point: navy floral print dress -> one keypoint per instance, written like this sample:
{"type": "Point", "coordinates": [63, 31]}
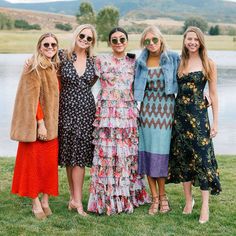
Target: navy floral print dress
{"type": "Point", "coordinates": [191, 153]}
{"type": "Point", "coordinates": [76, 113]}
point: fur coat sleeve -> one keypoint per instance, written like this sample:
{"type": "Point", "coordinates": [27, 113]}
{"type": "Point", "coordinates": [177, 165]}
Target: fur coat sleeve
{"type": "Point", "coordinates": [34, 87]}
{"type": "Point", "coordinates": [24, 123]}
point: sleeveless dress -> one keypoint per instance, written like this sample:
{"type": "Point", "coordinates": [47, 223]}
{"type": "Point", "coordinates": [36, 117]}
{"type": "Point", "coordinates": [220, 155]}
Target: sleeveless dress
{"type": "Point", "coordinates": [115, 185]}
{"type": "Point", "coordinates": [192, 155]}
{"type": "Point", "coordinates": [76, 113]}
{"type": "Point", "coordinates": [156, 117]}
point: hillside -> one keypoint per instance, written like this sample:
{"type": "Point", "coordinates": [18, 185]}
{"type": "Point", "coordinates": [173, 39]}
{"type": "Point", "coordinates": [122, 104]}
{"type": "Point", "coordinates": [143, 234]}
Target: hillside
{"type": "Point", "coordinates": [46, 20]}
{"type": "Point", "coordinates": [212, 10]}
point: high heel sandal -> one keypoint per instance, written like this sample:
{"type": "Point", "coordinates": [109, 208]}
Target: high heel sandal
{"type": "Point", "coordinates": [154, 207]}
{"type": "Point", "coordinates": [78, 207]}
{"type": "Point", "coordinates": [39, 215]}
{"type": "Point", "coordinates": [47, 211]}
{"type": "Point", "coordinates": [189, 212]}
{"type": "Point", "coordinates": [164, 204]}
{"type": "Point", "coordinates": [206, 220]}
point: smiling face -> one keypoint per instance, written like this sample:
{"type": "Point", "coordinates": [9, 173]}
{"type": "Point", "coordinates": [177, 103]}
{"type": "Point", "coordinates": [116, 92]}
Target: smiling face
{"type": "Point", "coordinates": [118, 42]}
{"type": "Point", "coordinates": [192, 42]}
{"type": "Point", "coordinates": [48, 47]}
{"type": "Point", "coordinates": [152, 42]}
{"type": "Point", "coordinates": [84, 39]}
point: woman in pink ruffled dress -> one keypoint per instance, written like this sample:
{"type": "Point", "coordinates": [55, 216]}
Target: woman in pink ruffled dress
{"type": "Point", "coordinates": [115, 185]}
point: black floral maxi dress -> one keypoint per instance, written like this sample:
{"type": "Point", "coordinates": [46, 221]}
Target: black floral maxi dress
{"type": "Point", "coordinates": [76, 113]}
{"type": "Point", "coordinates": [191, 153]}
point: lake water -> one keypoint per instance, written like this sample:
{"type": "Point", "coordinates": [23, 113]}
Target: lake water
{"type": "Point", "coordinates": [225, 142]}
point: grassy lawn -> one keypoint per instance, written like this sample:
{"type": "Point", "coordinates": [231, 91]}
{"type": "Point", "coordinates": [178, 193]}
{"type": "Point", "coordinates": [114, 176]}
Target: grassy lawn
{"type": "Point", "coordinates": [17, 219]}
{"type": "Point", "coordinates": [25, 41]}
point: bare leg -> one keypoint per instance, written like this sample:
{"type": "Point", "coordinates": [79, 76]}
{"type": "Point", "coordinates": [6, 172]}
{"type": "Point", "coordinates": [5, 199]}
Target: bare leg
{"type": "Point", "coordinates": [36, 205]}
{"type": "Point", "coordinates": [164, 203]}
{"type": "Point", "coordinates": [45, 205]}
{"type": "Point", "coordinates": [153, 186]}
{"type": "Point", "coordinates": [204, 216]}
{"type": "Point", "coordinates": [44, 201]}
{"type": "Point", "coordinates": [37, 209]}
{"type": "Point", "coordinates": [69, 178]}
{"type": "Point", "coordinates": [188, 197]}
{"type": "Point", "coordinates": [77, 181]}
{"type": "Point", "coordinates": [155, 200]}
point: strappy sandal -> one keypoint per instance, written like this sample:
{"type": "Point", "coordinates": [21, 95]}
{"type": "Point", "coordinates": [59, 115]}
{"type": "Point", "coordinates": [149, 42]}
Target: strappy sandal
{"type": "Point", "coordinates": [164, 204]}
{"type": "Point", "coordinates": [154, 207]}
{"type": "Point", "coordinates": [78, 207]}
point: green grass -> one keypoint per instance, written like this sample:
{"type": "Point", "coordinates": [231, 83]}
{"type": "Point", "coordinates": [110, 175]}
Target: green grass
{"type": "Point", "coordinates": [16, 217]}
{"type": "Point", "coordinates": [25, 41]}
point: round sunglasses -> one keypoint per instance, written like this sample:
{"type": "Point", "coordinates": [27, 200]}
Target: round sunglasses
{"type": "Point", "coordinates": [88, 38]}
{"type": "Point", "coordinates": [148, 41]}
{"type": "Point", "coordinates": [118, 40]}
{"type": "Point", "coordinates": [47, 45]}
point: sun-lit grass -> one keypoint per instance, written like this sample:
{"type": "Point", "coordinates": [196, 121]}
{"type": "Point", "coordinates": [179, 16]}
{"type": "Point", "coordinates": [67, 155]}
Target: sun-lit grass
{"type": "Point", "coordinates": [25, 41]}
{"type": "Point", "coordinates": [17, 219]}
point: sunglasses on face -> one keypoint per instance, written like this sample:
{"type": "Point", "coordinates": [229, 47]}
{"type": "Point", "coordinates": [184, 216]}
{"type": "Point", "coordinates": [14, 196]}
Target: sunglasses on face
{"type": "Point", "coordinates": [88, 38]}
{"type": "Point", "coordinates": [148, 41]}
{"type": "Point", "coordinates": [47, 45]}
{"type": "Point", "coordinates": [118, 40]}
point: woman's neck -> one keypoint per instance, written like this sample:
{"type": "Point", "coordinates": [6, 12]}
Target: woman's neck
{"type": "Point", "coordinates": [80, 52]}
{"type": "Point", "coordinates": [118, 54]}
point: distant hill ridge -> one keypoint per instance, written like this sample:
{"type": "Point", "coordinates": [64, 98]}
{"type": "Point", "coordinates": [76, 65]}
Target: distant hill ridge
{"type": "Point", "coordinates": [211, 10]}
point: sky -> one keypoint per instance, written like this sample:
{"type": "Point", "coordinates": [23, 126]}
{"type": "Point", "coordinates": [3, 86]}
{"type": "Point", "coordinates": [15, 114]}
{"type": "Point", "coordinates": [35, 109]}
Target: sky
{"type": "Point", "coordinates": [31, 1]}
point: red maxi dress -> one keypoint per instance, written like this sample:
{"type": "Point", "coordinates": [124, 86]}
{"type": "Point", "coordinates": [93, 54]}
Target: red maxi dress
{"type": "Point", "coordinates": [36, 167]}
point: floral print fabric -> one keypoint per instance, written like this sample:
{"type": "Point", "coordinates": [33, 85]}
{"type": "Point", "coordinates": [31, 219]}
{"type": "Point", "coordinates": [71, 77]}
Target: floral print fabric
{"type": "Point", "coordinates": [115, 185]}
{"type": "Point", "coordinates": [192, 156]}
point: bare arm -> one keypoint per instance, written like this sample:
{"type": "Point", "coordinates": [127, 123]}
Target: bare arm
{"type": "Point", "coordinates": [214, 99]}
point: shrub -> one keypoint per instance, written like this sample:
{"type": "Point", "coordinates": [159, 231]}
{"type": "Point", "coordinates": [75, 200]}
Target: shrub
{"type": "Point", "coordinates": [66, 27]}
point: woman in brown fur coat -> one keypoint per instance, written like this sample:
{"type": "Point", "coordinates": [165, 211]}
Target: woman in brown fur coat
{"type": "Point", "coordinates": [35, 126]}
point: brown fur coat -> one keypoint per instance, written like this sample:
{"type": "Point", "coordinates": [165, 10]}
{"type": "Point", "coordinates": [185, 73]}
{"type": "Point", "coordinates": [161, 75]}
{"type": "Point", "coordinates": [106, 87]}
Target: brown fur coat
{"type": "Point", "coordinates": [33, 88]}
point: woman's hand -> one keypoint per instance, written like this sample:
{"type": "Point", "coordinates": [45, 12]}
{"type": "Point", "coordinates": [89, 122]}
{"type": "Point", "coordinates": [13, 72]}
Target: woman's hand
{"type": "Point", "coordinates": [213, 131]}
{"type": "Point", "coordinates": [42, 131]}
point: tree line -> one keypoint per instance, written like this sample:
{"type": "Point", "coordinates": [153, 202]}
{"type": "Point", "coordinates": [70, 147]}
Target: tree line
{"type": "Point", "coordinates": [104, 20]}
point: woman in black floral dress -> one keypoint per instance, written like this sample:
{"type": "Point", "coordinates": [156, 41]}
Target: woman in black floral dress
{"type": "Point", "coordinates": [192, 160]}
{"type": "Point", "coordinates": [77, 111]}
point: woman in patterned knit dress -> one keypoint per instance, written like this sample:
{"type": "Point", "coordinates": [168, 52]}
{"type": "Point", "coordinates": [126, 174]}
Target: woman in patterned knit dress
{"type": "Point", "coordinates": [77, 110]}
{"type": "Point", "coordinates": [154, 86]}
{"type": "Point", "coordinates": [192, 159]}
{"type": "Point", "coordinates": [115, 185]}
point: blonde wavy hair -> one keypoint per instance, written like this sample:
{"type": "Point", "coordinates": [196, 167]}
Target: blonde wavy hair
{"type": "Point", "coordinates": [38, 58]}
{"type": "Point", "coordinates": [76, 34]}
{"type": "Point", "coordinates": [207, 69]}
{"type": "Point", "coordinates": [154, 30]}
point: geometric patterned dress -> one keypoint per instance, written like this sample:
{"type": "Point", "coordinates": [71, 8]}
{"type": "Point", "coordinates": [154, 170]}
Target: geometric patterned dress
{"type": "Point", "coordinates": [115, 184]}
{"type": "Point", "coordinates": [192, 155]}
{"type": "Point", "coordinates": [156, 118]}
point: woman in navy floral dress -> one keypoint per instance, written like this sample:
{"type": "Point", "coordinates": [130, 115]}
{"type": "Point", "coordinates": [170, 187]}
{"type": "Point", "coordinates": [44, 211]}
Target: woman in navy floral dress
{"type": "Point", "coordinates": [192, 160]}
{"type": "Point", "coordinates": [77, 111]}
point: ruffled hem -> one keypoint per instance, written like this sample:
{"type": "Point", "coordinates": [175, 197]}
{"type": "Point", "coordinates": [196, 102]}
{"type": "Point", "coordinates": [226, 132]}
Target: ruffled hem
{"type": "Point", "coordinates": [105, 198]}
{"type": "Point", "coordinates": [113, 151]}
{"type": "Point", "coordinates": [115, 95]}
{"type": "Point", "coordinates": [112, 103]}
{"type": "Point", "coordinates": [115, 133]}
{"type": "Point", "coordinates": [117, 112]}
{"type": "Point", "coordinates": [115, 123]}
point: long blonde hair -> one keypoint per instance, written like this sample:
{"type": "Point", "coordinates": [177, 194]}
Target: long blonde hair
{"type": "Point", "coordinates": [75, 35]}
{"type": "Point", "coordinates": [154, 30]}
{"type": "Point", "coordinates": [202, 53]}
{"type": "Point", "coordinates": [38, 58]}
